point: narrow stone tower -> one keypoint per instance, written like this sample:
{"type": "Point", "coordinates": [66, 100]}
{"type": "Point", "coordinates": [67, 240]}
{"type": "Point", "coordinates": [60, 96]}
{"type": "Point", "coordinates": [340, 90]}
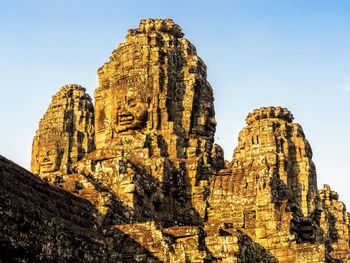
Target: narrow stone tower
{"type": "Point", "coordinates": [66, 131]}
{"type": "Point", "coordinates": [273, 152]}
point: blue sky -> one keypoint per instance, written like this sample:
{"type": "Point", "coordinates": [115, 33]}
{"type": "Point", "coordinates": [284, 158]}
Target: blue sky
{"type": "Point", "coordinates": [294, 54]}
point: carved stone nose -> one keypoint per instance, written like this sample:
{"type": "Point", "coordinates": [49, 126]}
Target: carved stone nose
{"type": "Point", "coordinates": [46, 157]}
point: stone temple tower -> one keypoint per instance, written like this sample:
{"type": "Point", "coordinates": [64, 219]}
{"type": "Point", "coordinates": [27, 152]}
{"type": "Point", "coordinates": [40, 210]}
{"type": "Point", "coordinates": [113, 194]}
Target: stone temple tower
{"type": "Point", "coordinates": [66, 131]}
{"type": "Point", "coordinates": [156, 186]}
{"type": "Point", "coordinates": [154, 85]}
{"type": "Point", "coordinates": [273, 148]}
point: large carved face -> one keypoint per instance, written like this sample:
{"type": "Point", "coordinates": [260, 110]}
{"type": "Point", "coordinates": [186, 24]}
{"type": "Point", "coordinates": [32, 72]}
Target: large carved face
{"type": "Point", "coordinates": [50, 160]}
{"type": "Point", "coordinates": [131, 110]}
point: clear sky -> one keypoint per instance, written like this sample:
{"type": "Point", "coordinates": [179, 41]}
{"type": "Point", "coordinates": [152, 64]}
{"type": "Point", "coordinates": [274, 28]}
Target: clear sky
{"type": "Point", "coordinates": [294, 54]}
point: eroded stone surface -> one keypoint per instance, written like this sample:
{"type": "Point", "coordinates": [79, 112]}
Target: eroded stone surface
{"type": "Point", "coordinates": [270, 190]}
{"type": "Point", "coordinates": [335, 224]}
{"type": "Point", "coordinates": [154, 128]}
{"type": "Point", "coordinates": [154, 87]}
{"type": "Point", "coordinates": [160, 187]}
{"type": "Point", "coordinates": [66, 131]}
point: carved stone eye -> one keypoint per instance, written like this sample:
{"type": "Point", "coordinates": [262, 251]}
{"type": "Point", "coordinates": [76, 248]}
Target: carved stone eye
{"type": "Point", "coordinates": [119, 105]}
{"type": "Point", "coordinates": [132, 102]}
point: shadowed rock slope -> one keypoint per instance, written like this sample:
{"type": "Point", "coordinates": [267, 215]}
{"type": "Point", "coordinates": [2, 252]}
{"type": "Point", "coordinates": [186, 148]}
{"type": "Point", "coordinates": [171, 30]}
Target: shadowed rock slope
{"type": "Point", "coordinates": [44, 223]}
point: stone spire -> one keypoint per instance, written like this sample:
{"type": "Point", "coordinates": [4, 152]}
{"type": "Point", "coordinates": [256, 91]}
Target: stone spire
{"type": "Point", "coordinates": [335, 224]}
{"type": "Point", "coordinates": [66, 131]}
{"type": "Point", "coordinates": [155, 84]}
{"type": "Point", "coordinates": [272, 148]}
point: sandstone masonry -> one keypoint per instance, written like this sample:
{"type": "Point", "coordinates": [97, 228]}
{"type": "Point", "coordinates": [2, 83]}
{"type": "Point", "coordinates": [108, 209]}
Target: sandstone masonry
{"type": "Point", "coordinates": [138, 177]}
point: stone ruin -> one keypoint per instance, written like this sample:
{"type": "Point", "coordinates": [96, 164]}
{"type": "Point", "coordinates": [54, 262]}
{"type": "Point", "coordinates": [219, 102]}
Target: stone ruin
{"type": "Point", "coordinates": [138, 177]}
{"type": "Point", "coordinates": [66, 131]}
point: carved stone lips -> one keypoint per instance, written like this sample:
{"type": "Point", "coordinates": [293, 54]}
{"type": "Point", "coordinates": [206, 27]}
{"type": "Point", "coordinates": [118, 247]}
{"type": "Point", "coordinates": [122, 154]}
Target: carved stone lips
{"type": "Point", "coordinates": [46, 161]}
{"type": "Point", "coordinates": [125, 118]}
{"type": "Point", "coordinates": [46, 164]}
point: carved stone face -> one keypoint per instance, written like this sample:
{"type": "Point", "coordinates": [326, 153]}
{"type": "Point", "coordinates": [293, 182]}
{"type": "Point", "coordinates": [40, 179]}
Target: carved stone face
{"type": "Point", "coordinates": [131, 111]}
{"type": "Point", "coordinates": [50, 160]}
